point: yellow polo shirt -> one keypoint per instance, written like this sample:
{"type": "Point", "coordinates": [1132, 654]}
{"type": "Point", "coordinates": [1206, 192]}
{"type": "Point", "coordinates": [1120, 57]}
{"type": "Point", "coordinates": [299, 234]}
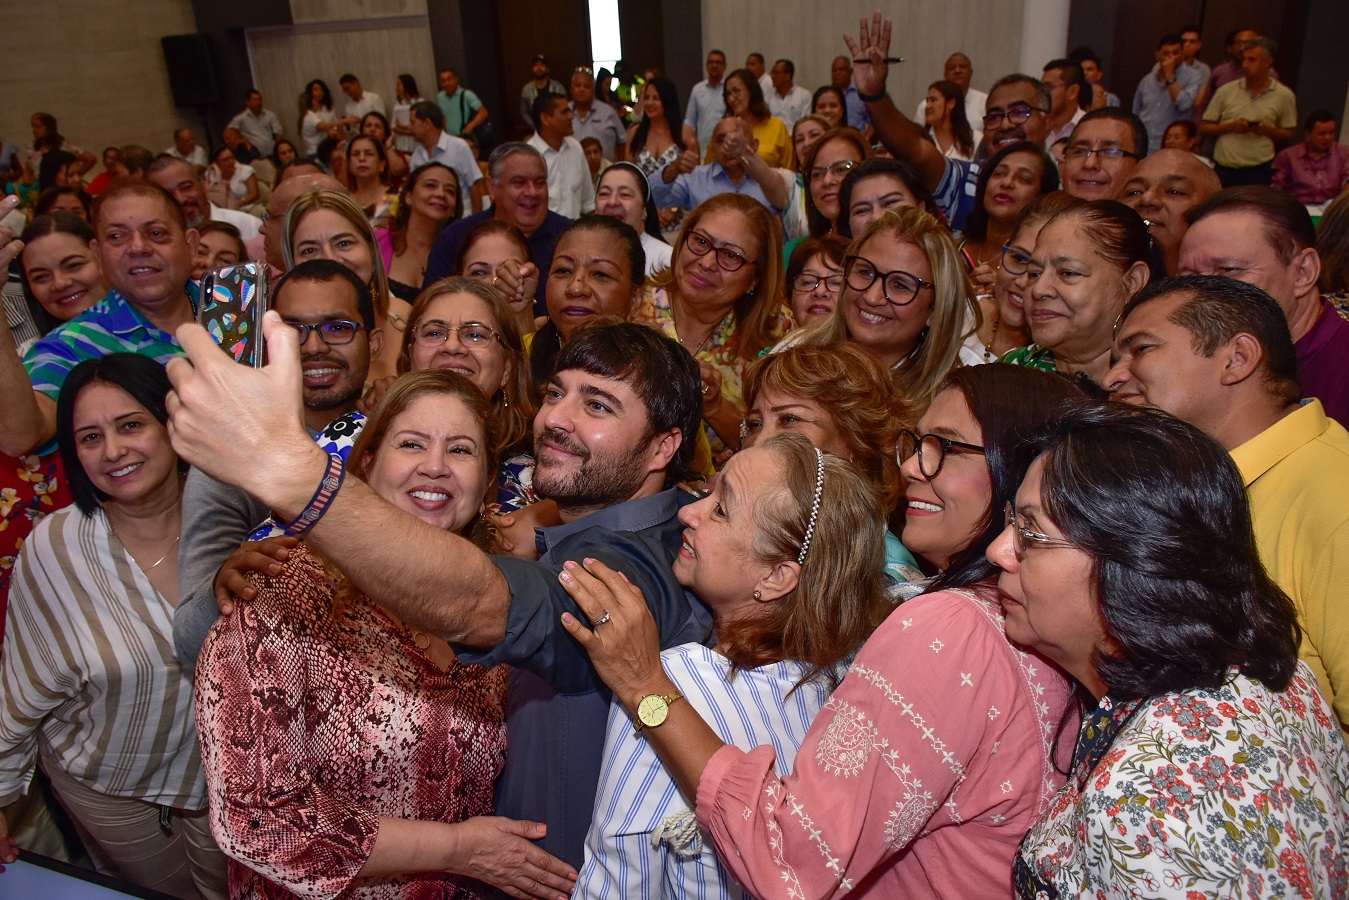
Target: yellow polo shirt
{"type": "Point", "coordinates": [1275, 105]}
{"type": "Point", "coordinates": [1297, 475]}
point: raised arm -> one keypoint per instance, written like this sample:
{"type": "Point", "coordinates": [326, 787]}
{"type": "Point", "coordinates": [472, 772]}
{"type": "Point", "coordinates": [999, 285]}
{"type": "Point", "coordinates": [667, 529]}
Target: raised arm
{"type": "Point", "coordinates": [27, 418]}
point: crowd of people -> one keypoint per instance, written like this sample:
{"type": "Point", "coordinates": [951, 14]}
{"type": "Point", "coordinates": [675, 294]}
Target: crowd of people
{"type": "Point", "coordinates": [765, 495]}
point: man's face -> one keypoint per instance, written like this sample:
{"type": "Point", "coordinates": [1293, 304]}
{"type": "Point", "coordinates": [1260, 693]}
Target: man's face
{"type": "Point", "coordinates": [840, 72]}
{"type": "Point", "coordinates": [254, 103]}
{"type": "Point", "coordinates": [1096, 177]}
{"type": "Point", "coordinates": [334, 376]}
{"type": "Point", "coordinates": [716, 67]}
{"type": "Point", "coordinates": [183, 183]}
{"type": "Point", "coordinates": [1157, 365]}
{"type": "Point", "coordinates": [1168, 53]}
{"type": "Point", "coordinates": [582, 88]}
{"type": "Point", "coordinates": [592, 440]}
{"type": "Point", "coordinates": [146, 255]}
{"type": "Point", "coordinates": [1236, 243]}
{"type": "Point", "coordinates": [422, 129]}
{"type": "Point", "coordinates": [724, 145]}
{"type": "Point", "coordinates": [958, 70]}
{"type": "Point", "coordinates": [1190, 45]}
{"type": "Point", "coordinates": [1321, 136]}
{"type": "Point", "coordinates": [1061, 100]}
{"type": "Point", "coordinates": [449, 82]}
{"type": "Point", "coordinates": [1238, 45]}
{"type": "Point", "coordinates": [1091, 71]}
{"type": "Point", "coordinates": [280, 200]}
{"type": "Point", "coordinates": [1163, 186]}
{"type": "Point", "coordinates": [1018, 99]}
{"type": "Point", "coordinates": [782, 79]}
{"type": "Point", "coordinates": [521, 196]}
{"type": "Point", "coordinates": [539, 70]}
{"type": "Point", "coordinates": [559, 121]}
{"type": "Point", "coordinates": [185, 141]}
{"type": "Point", "coordinates": [755, 64]}
{"type": "Point", "coordinates": [352, 89]}
{"type": "Point", "coordinates": [1256, 63]}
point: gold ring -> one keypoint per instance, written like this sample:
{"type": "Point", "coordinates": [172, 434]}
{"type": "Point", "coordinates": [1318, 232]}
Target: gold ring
{"type": "Point", "coordinates": [494, 281]}
{"type": "Point", "coordinates": [704, 390]}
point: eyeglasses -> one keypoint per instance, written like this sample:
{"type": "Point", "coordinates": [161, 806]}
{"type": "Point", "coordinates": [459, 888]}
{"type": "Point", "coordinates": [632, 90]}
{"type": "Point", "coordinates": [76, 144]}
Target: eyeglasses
{"type": "Point", "coordinates": [1014, 261]}
{"type": "Point", "coordinates": [1015, 115]}
{"type": "Point", "coordinates": [840, 168]}
{"type": "Point", "coordinates": [333, 332]}
{"type": "Point", "coordinates": [899, 287]}
{"type": "Point", "coordinates": [1023, 537]}
{"type": "Point", "coordinates": [807, 283]}
{"type": "Point", "coordinates": [700, 244]}
{"type": "Point", "coordinates": [931, 450]}
{"type": "Point", "coordinates": [1077, 151]}
{"type": "Point", "coordinates": [471, 334]}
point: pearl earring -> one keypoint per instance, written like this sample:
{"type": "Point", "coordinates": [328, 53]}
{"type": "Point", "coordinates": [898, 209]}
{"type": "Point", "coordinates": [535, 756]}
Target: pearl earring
{"type": "Point", "coordinates": [758, 595]}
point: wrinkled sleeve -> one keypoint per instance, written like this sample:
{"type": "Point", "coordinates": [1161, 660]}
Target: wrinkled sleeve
{"type": "Point", "coordinates": [667, 196]}
{"type": "Point", "coordinates": [879, 761]}
{"type": "Point", "coordinates": [1325, 619]}
{"type": "Point", "coordinates": [266, 810]}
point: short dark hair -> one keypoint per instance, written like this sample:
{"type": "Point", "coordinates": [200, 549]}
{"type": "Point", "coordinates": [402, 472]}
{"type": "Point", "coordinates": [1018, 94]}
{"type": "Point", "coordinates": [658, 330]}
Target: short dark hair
{"type": "Point", "coordinates": [47, 199]}
{"type": "Point", "coordinates": [717, 52]}
{"type": "Point", "coordinates": [1041, 92]}
{"type": "Point", "coordinates": [1186, 29]}
{"type": "Point", "coordinates": [168, 161]}
{"type": "Point", "coordinates": [255, 91]}
{"type": "Point", "coordinates": [429, 111]}
{"type": "Point", "coordinates": [788, 65]}
{"type": "Point", "coordinates": [322, 271]}
{"type": "Point", "coordinates": [1318, 116]}
{"type": "Point", "coordinates": [1072, 75]}
{"type": "Point", "coordinates": [1137, 130]}
{"type": "Point", "coordinates": [1085, 54]}
{"type": "Point", "coordinates": [230, 231]}
{"type": "Point", "coordinates": [658, 370]}
{"type": "Point", "coordinates": [621, 233]}
{"type": "Point", "coordinates": [141, 377]}
{"type": "Point", "coordinates": [1171, 37]}
{"type": "Point", "coordinates": [137, 158]}
{"type": "Point", "coordinates": [1119, 234]}
{"type": "Point", "coordinates": [347, 79]}
{"type": "Point", "coordinates": [1217, 309]}
{"type": "Point", "coordinates": [134, 186]}
{"type": "Point", "coordinates": [755, 55]}
{"type": "Point", "coordinates": [1288, 225]}
{"type": "Point", "coordinates": [1162, 510]}
{"type": "Point", "coordinates": [544, 104]}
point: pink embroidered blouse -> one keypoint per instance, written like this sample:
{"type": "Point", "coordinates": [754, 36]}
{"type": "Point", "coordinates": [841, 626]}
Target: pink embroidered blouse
{"type": "Point", "coordinates": [918, 779]}
{"type": "Point", "coordinates": [315, 723]}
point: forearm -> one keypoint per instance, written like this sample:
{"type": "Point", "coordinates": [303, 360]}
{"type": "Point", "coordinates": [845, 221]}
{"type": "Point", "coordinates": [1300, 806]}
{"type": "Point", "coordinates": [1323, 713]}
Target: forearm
{"type": "Point", "coordinates": [27, 418]}
{"type": "Point", "coordinates": [685, 742]}
{"type": "Point", "coordinates": [405, 846]}
{"type": "Point", "coordinates": [1215, 129]}
{"type": "Point", "coordinates": [478, 118]}
{"type": "Point", "coordinates": [767, 178]}
{"type": "Point", "coordinates": [906, 140]}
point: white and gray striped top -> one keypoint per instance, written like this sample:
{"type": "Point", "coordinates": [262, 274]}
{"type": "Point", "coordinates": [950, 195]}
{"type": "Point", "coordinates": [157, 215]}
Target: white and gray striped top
{"type": "Point", "coordinates": [88, 676]}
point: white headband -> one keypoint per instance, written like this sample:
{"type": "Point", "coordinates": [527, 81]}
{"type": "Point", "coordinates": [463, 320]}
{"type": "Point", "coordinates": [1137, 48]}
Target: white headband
{"type": "Point", "coordinates": [814, 508]}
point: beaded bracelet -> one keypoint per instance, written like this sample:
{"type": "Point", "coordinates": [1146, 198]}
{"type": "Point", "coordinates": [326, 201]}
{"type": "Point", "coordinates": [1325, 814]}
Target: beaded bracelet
{"type": "Point", "coordinates": [318, 504]}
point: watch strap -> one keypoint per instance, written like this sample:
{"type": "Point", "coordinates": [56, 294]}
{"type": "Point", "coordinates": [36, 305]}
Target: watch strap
{"type": "Point", "coordinates": [668, 698]}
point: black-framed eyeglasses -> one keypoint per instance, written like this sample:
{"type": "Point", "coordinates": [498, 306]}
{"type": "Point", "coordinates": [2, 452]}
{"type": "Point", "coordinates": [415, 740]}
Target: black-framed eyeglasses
{"type": "Point", "coordinates": [807, 283]}
{"type": "Point", "coordinates": [840, 168]}
{"type": "Point", "coordinates": [1015, 114]}
{"type": "Point", "coordinates": [700, 244]}
{"type": "Point", "coordinates": [931, 450]}
{"type": "Point", "coordinates": [1111, 153]}
{"type": "Point", "coordinates": [334, 332]}
{"type": "Point", "coordinates": [900, 287]}
{"type": "Point", "coordinates": [471, 334]}
{"type": "Point", "coordinates": [1014, 261]}
{"type": "Point", "coordinates": [1023, 537]}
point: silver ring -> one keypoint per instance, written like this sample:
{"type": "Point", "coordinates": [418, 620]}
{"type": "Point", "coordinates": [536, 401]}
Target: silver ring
{"type": "Point", "coordinates": [602, 619]}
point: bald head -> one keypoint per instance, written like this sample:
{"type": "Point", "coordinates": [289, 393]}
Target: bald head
{"type": "Point", "coordinates": [958, 70]}
{"type": "Point", "coordinates": [280, 201]}
{"type": "Point", "coordinates": [1162, 188]}
{"type": "Point", "coordinates": [729, 150]}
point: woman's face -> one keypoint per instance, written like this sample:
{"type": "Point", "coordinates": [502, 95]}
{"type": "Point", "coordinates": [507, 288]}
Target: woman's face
{"type": "Point", "coordinates": [486, 366]}
{"type": "Point", "coordinates": [889, 331]}
{"type": "Point", "coordinates": [1175, 138]}
{"type": "Point", "coordinates": [804, 137]}
{"type": "Point", "coordinates": [70, 176]}
{"type": "Point", "coordinates": [651, 102]}
{"type": "Point", "coordinates": [285, 153]}
{"type": "Point", "coordinates": [432, 462]}
{"type": "Point", "coordinates": [372, 127]}
{"type": "Point", "coordinates": [619, 195]}
{"type": "Point", "coordinates": [435, 196]}
{"type": "Point", "coordinates": [63, 274]}
{"type": "Point", "coordinates": [1013, 185]}
{"type": "Point", "coordinates": [701, 279]}
{"type": "Point", "coordinates": [717, 560]}
{"type": "Point", "coordinates": [737, 97]}
{"type": "Point", "coordinates": [39, 129]}
{"type": "Point", "coordinates": [1008, 288]}
{"type": "Point", "coordinates": [813, 304]}
{"type": "Point", "coordinates": [71, 204]}
{"type": "Point", "coordinates": [489, 251]}
{"type": "Point", "coordinates": [829, 107]}
{"type": "Point", "coordinates": [943, 514]}
{"type": "Point", "coordinates": [773, 412]}
{"type": "Point", "coordinates": [1048, 593]}
{"type": "Point", "coordinates": [123, 449]}
{"type": "Point", "coordinates": [872, 196]}
{"type": "Point", "coordinates": [225, 162]}
{"type": "Point", "coordinates": [590, 276]}
{"type": "Point", "coordinates": [316, 94]}
{"type": "Point", "coordinates": [936, 107]}
{"type": "Point", "coordinates": [327, 234]}
{"type": "Point", "coordinates": [1076, 294]}
{"type": "Point", "coordinates": [363, 160]}
{"type": "Point", "coordinates": [824, 183]}
{"type": "Point", "coordinates": [214, 251]}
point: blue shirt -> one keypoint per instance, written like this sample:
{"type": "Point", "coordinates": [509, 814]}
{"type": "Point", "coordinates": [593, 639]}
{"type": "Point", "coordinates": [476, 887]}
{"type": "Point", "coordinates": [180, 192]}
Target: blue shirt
{"type": "Point", "coordinates": [1153, 103]}
{"type": "Point", "coordinates": [704, 182]}
{"type": "Point", "coordinates": [857, 109]}
{"type": "Point", "coordinates": [706, 108]}
{"type": "Point", "coordinates": [440, 262]}
{"type": "Point", "coordinates": [955, 191]}
{"type": "Point", "coordinates": [557, 706]}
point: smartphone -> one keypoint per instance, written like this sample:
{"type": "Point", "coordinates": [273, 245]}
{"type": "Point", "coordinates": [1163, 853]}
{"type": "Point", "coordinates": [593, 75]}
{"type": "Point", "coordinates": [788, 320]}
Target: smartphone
{"type": "Point", "coordinates": [233, 300]}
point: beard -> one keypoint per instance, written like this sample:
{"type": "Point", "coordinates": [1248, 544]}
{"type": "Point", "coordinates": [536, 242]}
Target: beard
{"type": "Point", "coordinates": [591, 481]}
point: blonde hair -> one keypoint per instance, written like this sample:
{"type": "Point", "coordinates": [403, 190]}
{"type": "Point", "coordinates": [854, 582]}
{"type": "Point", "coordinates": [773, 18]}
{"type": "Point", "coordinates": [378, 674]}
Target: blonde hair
{"type": "Point", "coordinates": [754, 312]}
{"type": "Point", "coordinates": [920, 376]}
{"type": "Point", "coordinates": [513, 405]}
{"type": "Point", "coordinates": [345, 206]}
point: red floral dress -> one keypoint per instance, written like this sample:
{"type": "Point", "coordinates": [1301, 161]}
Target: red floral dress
{"type": "Point", "coordinates": [31, 487]}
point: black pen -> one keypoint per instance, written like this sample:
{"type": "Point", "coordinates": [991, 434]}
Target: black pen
{"type": "Point", "coordinates": [888, 59]}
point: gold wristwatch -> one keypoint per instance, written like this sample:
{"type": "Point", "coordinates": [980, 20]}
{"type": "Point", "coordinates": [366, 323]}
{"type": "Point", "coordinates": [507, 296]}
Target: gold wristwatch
{"type": "Point", "coordinates": [654, 709]}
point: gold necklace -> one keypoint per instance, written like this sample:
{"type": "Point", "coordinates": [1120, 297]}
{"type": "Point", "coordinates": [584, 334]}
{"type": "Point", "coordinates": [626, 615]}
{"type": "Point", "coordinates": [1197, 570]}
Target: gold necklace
{"type": "Point", "coordinates": [701, 344]}
{"type": "Point", "coordinates": [988, 348]}
{"type": "Point", "coordinates": [145, 569]}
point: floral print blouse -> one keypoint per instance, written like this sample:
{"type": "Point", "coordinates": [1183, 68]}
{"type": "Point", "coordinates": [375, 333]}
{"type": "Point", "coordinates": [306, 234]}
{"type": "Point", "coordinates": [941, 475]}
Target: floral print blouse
{"type": "Point", "coordinates": [1238, 792]}
{"type": "Point", "coordinates": [31, 487]}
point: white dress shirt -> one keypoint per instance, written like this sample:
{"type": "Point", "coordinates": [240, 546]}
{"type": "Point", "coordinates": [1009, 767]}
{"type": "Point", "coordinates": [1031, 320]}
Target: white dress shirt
{"type": "Point", "coordinates": [791, 107]}
{"type": "Point", "coordinates": [570, 190]}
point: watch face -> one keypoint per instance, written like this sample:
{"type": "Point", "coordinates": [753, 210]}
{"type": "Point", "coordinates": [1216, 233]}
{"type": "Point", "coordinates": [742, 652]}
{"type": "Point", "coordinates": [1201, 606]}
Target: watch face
{"type": "Point", "coordinates": [652, 710]}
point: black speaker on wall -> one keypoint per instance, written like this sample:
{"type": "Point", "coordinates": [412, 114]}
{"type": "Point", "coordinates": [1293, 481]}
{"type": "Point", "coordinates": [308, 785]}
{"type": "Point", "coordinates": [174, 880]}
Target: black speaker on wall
{"type": "Point", "coordinates": [192, 75]}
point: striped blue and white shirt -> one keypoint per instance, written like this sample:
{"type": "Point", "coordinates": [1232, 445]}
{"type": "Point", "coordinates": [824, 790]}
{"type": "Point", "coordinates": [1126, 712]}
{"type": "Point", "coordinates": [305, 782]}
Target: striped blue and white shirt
{"type": "Point", "coordinates": [644, 840]}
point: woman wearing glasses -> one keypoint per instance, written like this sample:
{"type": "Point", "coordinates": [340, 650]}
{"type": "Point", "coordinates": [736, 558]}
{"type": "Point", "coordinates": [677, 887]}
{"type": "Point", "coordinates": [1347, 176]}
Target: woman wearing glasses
{"type": "Point", "coordinates": [745, 100]}
{"type": "Point", "coordinates": [815, 278]}
{"type": "Point", "coordinates": [721, 298]}
{"type": "Point", "coordinates": [936, 752]}
{"type": "Point", "coordinates": [1208, 763]}
{"type": "Point", "coordinates": [834, 154]}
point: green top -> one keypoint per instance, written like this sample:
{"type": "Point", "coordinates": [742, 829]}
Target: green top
{"type": "Point", "coordinates": [1032, 356]}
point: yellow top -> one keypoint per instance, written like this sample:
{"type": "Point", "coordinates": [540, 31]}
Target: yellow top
{"type": "Point", "coordinates": [775, 144]}
{"type": "Point", "coordinates": [1297, 475]}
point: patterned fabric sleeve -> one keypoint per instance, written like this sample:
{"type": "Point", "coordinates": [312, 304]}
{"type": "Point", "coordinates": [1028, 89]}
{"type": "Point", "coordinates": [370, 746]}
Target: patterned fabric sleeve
{"type": "Point", "coordinates": [266, 809]}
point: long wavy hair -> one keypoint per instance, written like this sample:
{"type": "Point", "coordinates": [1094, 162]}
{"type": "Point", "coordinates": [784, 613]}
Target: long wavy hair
{"type": "Point", "coordinates": [960, 123]}
{"type": "Point", "coordinates": [669, 101]}
{"type": "Point", "coordinates": [819, 225]}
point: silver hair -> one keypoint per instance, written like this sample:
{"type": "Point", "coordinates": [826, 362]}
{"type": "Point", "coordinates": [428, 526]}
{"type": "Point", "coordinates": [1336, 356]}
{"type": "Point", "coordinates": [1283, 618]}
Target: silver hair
{"type": "Point", "coordinates": [497, 161]}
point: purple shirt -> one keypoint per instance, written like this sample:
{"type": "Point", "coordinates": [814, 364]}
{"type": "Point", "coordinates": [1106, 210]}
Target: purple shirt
{"type": "Point", "coordinates": [1310, 180]}
{"type": "Point", "coordinates": [1322, 356]}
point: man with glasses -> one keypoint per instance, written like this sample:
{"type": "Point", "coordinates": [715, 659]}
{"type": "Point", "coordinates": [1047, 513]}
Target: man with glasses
{"type": "Point", "coordinates": [1017, 111]}
{"type": "Point", "coordinates": [1168, 92]}
{"type": "Point", "coordinates": [334, 313]}
{"type": "Point", "coordinates": [737, 169]}
{"type": "Point", "coordinates": [595, 120]}
{"type": "Point", "coordinates": [1104, 148]}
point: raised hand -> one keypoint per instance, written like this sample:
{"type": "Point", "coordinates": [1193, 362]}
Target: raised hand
{"type": "Point", "coordinates": [873, 45]}
{"type": "Point", "coordinates": [517, 282]}
{"type": "Point", "coordinates": [10, 246]}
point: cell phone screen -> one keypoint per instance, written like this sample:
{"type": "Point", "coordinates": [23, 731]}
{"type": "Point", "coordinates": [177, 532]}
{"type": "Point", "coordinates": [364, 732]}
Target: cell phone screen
{"type": "Point", "coordinates": [233, 301]}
